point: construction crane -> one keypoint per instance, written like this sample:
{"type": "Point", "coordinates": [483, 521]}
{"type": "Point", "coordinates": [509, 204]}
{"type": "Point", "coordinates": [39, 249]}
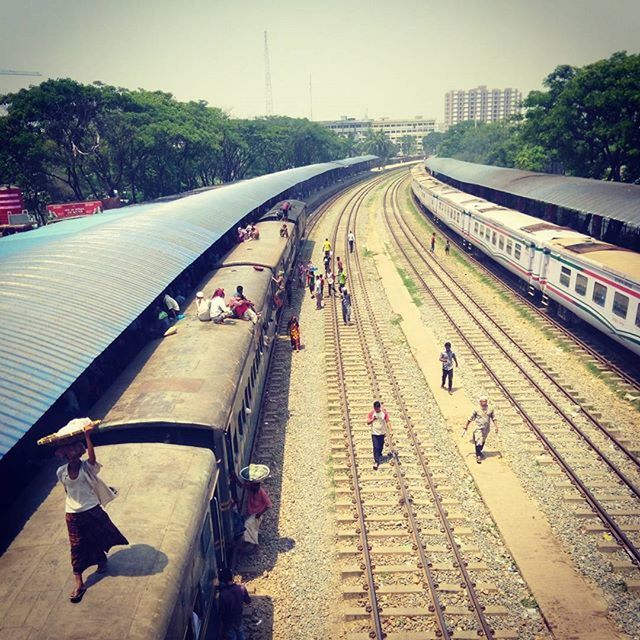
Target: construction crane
{"type": "Point", "coordinates": [11, 72]}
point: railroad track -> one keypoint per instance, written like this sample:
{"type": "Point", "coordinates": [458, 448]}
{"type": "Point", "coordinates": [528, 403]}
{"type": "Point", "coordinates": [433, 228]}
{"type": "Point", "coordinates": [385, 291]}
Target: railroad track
{"type": "Point", "coordinates": [601, 354]}
{"type": "Point", "coordinates": [600, 465]}
{"type": "Point", "coordinates": [407, 560]}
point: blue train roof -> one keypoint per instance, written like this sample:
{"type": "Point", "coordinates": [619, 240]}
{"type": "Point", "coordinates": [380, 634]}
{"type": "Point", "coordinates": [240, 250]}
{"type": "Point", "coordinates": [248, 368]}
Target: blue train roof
{"type": "Point", "coordinates": [70, 289]}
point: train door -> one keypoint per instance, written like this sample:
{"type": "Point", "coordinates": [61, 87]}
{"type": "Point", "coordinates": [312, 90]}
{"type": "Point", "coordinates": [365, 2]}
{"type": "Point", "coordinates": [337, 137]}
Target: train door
{"type": "Point", "coordinates": [530, 267]}
{"type": "Point", "coordinates": [544, 270]}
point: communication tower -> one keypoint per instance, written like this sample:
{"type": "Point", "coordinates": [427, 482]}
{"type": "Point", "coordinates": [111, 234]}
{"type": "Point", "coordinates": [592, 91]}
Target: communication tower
{"type": "Point", "coordinates": [267, 78]}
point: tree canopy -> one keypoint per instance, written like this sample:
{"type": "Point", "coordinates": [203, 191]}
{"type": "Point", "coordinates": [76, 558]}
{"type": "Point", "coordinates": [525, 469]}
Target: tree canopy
{"type": "Point", "coordinates": [63, 140]}
{"type": "Point", "coordinates": [586, 120]}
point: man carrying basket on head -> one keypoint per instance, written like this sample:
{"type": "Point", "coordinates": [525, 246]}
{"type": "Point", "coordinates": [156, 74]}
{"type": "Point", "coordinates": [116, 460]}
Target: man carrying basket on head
{"type": "Point", "coordinates": [91, 532]}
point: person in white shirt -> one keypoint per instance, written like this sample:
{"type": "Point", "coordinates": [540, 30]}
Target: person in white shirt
{"type": "Point", "coordinates": [378, 420]}
{"type": "Point", "coordinates": [173, 308]}
{"type": "Point", "coordinates": [203, 307]}
{"type": "Point", "coordinates": [91, 532]}
{"type": "Point", "coordinates": [352, 240]}
{"type": "Point", "coordinates": [218, 309]}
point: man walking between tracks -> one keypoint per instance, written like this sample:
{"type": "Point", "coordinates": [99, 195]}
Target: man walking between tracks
{"type": "Point", "coordinates": [447, 358]}
{"type": "Point", "coordinates": [482, 418]}
{"type": "Point", "coordinates": [378, 420]}
{"type": "Point", "coordinates": [352, 240]}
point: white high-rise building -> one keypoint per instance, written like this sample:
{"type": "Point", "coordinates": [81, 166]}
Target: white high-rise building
{"type": "Point", "coordinates": [480, 104]}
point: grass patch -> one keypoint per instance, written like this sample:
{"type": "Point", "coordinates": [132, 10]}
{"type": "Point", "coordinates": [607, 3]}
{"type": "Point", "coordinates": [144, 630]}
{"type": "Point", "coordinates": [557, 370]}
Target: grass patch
{"type": "Point", "coordinates": [396, 319]}
{"type": "Point", "coordinates": [529, 603]}
{"type": "Point", "coordinates": [331, 473]}
{"type": "Point", "coordinates": [410, 285]}
{"type": "Point", "coordinates": [367, 253]}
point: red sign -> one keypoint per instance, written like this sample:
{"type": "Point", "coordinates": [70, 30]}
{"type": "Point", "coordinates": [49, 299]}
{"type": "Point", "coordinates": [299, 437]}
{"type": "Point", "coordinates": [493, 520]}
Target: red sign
{"type": "Point", "coordinates": [74, 209]}
{"type": "Point", "coordinates": [10, 203]}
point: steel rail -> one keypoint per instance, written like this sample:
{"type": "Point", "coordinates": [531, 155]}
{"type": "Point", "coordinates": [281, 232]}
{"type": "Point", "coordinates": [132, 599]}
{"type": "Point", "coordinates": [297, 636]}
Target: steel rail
{"type": "Point", "coordinates": [543, 316]}
{"type": "Point", "coordinates": [430, 581]}
{"type": "Point", "coordinates": [622, 539]}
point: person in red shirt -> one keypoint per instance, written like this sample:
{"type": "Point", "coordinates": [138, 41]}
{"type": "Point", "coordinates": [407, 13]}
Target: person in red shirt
{"type": "Point", "coordinates": [256, 505]}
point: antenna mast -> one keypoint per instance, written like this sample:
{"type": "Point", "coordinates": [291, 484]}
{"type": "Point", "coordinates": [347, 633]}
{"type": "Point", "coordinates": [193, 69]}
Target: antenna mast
{"type": "Point", "coordinates": [310, 99]}
{"type": "Point", "coordinates": [267, 79]}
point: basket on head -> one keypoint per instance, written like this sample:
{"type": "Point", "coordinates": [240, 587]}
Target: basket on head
{"type": "Point", "coordinates": [255, 473]}
{"type": "Point", "coordinates": [73, 430]}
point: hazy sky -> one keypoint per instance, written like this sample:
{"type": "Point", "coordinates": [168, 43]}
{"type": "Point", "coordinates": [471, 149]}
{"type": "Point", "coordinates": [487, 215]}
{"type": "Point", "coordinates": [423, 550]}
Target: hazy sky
{"type": "Point", "coordinates": [395, 59]}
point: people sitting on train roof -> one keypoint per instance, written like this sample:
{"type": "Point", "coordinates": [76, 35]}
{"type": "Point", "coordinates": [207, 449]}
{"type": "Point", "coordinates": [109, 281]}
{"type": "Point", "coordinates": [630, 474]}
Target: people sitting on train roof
{"type": "Point", "coordinates": [219, 311]}
{"type": "Point", "coordinates": [242, 307]}
{"type": "Point", "coordinates": [172, 306]}
{"type": "Point", "coordinates": [255, 233]}
{"type": "Point", "coordinates": [203, 307]}
{"type": "Point", "coordinates": [242, 234]}
{"type": "Point", "coordinates": [284, 231]}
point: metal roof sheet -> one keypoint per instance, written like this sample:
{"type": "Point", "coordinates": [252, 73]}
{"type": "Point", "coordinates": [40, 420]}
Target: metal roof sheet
{"type": "Point", "coordinates": [615, 200]}
{"type": "Point", "coordinates": [70, 289]}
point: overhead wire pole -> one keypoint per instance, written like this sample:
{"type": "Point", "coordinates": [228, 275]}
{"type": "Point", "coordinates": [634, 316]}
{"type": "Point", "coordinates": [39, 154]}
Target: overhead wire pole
{"type": "Point", "coordinates": [267, 78]}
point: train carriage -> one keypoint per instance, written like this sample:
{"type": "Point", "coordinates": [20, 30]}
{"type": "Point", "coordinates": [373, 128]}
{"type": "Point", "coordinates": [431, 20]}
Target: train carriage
{"type": "Point", "coordinates": [202, 386]}
{"type": "Point", "coordinates": [158, 587]}
{"type": "Point", "coordinates": [605, 289]}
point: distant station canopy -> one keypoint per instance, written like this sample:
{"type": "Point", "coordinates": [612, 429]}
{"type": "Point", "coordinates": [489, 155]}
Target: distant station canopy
{"type": "Point", "coordinates": [609, 211]}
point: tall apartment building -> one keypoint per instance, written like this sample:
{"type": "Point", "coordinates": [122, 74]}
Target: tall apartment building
{"type": "Point", "coordinates": [480, 104]}
{"type": "Point", "coordinates": [394, 129]}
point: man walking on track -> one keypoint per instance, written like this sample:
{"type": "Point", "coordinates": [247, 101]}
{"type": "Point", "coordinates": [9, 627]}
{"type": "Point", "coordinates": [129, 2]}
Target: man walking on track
{"type": "Point", "coordinates": [378, 420]}
{"type": "Point", "coordinates": [448, 357]}
{"type": "Point", "coordinates": [352, 241]}
{"type": "Point", "coordinates": [482, 418]}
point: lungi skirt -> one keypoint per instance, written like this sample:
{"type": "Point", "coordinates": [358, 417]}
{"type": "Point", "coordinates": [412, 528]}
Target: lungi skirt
{"type": "Point", "coordinates": [91, 535]}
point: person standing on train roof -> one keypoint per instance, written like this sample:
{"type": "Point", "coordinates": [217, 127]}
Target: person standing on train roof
{"type": "Point", "coordinates": [433, 242]}
{"type": "Point", "coordinates": [91, 532]}
{"type": "Point", "coordinates": [352, 240]}
{"type": "Point", "coordinates": [339, 265]}
{"type": "Point", "coordinates": [378, 420]}
{"type": "Point", "coordinates": [326, 247]}
{"type": "Point", "coordinates": [482, 418]}
{"type": "Point", "coordinates": [447, 358]}
{"type": "Point", "coordinates": [233, 597]}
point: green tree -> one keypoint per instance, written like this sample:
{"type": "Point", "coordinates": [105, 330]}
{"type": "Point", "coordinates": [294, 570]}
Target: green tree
{"type": "Point", "coordinates": [407, 145]}
{"type": "Point", "coordinates": [378, 144]}
{"type": "Point", "coordinates": [589, 118]}
{"type": "Point", "coordinates": [431, 142]}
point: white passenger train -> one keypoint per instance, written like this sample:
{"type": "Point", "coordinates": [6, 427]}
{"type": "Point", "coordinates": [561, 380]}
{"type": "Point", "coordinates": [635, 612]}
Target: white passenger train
{"type": "Point", "coordinates": [596, 281]}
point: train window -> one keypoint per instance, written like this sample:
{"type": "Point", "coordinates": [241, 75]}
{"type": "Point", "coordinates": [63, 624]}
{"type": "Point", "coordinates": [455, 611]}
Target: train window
{"type": "Point", "coordinates": [475, 227]}
{"type": "Point", "coordinates": [501, 242]}
{"type": "Point", "coordinates": [599, 293]}
{"type": "Point", "coordinates": [509, 246]}
{"type": "Point", "coordinates": [517, 251]}
{"type": "Point", "coordinates": [581, 285]}
{"type": "Point", "coordinates": [247, 396]}
{"type": "Point", "coordinates": [235, 445]}
{"type": "Point", "coordinates": [565, 276]}
{"type": "Point", "coordinates": [240, 424]}
{"type": "Point", "coordinates": [638, 316]}
{"type": "Point", "coordinates": [620, 305]}
{"type": "Point", "coordinates": [493, 238]}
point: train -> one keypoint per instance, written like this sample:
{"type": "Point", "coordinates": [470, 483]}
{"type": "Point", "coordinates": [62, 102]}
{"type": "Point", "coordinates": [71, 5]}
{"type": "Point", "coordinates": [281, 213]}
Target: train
{"type": "Point", "coordinates": [573, 273]}
{"type": "Point", "coordinates": [176, 426]}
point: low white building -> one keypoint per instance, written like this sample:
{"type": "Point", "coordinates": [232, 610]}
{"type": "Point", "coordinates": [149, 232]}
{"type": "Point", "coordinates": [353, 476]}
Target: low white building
{"type": "Point", "coordinates": [395, 130]}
